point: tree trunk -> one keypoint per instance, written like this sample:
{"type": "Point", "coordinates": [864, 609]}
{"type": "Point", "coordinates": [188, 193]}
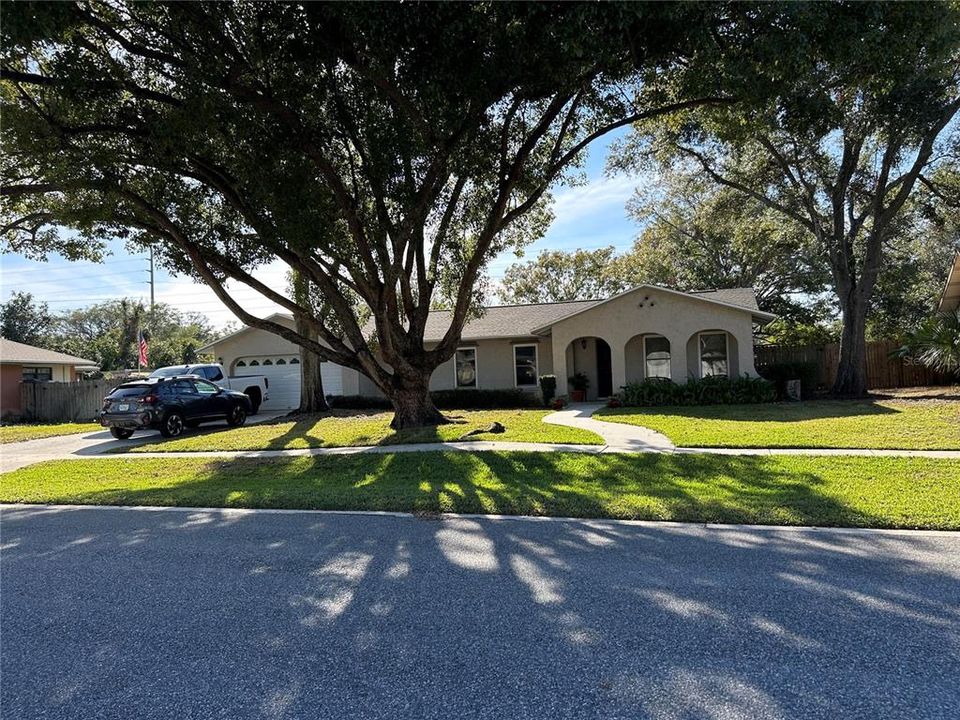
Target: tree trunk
{"type": "Point", "coordinates": [852, 368]}
{"type": "Point", "coordinates": [312, 399]}
{"type": "Point", "coordinates": [412, 404]}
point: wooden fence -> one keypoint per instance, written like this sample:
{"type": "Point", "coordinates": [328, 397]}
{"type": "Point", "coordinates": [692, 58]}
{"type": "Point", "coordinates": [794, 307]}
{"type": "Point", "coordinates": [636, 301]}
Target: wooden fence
{"type": "Point", "coordinates": [883, 371]}
{"type": "Point", "coordinates": [63, 402]}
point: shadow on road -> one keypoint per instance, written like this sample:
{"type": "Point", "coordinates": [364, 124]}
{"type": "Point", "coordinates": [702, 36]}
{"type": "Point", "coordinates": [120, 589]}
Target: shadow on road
{"type": "Point", "coordinates": [279, 615]}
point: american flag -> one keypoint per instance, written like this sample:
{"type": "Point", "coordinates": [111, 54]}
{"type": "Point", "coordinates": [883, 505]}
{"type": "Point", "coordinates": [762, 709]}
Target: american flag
{"type": "Point", "coordinates": [141, 349]}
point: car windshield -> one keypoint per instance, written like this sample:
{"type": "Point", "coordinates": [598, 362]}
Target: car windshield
{"type": "Point", "coordinates": [170, 371]}
{"type": "Point", "coordinates": [125, 391]}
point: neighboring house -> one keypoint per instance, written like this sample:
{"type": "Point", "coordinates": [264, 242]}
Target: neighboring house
{"type": "Point", "coordinates": [950, 298]}
{"type": "Point", "coordinates": [645, 332]}
{"type": "Point", "coordinates": [21, 363]}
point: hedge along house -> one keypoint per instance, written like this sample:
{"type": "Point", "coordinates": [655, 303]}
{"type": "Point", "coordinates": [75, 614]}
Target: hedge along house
{"type": "Point", "coordinates": [645, 332]}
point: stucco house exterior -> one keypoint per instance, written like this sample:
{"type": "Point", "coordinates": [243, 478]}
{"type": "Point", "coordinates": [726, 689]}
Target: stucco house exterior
{"type": "Point", "coordinates": [644, 332]}
{"type": "Point", "coordinates": [950, 297]}
{"type": "Point", "coordinates": [21, 363]}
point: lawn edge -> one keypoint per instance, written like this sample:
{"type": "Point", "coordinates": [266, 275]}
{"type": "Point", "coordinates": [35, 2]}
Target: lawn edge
{"type": "Point", "coordinates": [436, 517]}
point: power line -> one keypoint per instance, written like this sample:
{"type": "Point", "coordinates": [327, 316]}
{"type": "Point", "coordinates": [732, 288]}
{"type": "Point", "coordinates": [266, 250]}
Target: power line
{"type": "Point", "coordinates": [72, 266]}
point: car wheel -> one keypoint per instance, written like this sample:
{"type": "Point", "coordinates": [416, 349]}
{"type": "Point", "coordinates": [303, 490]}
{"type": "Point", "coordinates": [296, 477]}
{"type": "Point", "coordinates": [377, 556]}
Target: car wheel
{"type": "Point", "coordinates": [255, 407]}
{"type": "Point", "coordinates": [172, 425]}
{"type": "Point", "coordinates": [237, 416]}
{"type": "Point", "coordinates": [121, 433]}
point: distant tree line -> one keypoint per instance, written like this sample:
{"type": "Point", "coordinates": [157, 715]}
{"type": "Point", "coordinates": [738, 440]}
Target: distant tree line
{"type": "Point", "coordinates": [107, 332]}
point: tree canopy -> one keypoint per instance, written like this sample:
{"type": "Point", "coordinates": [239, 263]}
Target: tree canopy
{"type": "Point", "coordinates": [385, 151]}
{"type": "Point", "coordinates": [837, 134]}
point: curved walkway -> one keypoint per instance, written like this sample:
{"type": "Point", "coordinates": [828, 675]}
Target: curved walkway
{"type": "Point", "coordinates": [619, 437]}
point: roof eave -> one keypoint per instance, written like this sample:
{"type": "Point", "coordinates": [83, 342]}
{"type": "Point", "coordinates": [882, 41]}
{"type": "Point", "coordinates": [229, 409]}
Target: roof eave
{"type": "Point", "coordinates": [764, 316]}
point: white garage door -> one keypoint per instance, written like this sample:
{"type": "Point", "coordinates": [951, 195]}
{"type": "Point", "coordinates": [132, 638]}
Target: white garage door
{"type": "Point", "coordinates": [283, 373]}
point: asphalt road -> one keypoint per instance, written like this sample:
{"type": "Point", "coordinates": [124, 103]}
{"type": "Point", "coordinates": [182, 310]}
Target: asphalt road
{"type": "Point", "coordinates": [113, 613]}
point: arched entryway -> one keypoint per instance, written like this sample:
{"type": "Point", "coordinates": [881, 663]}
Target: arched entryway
{"type": "Point", "coordinates": [591, 356]}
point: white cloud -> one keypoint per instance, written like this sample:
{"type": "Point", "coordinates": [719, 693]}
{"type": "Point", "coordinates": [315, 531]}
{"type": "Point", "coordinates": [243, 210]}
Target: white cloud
{"type": "Point", "coordinates": [608, 194]}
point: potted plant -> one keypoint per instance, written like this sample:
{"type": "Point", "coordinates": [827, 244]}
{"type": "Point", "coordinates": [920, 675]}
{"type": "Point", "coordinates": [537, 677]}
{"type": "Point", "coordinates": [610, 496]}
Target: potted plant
{"type": "Point", "coordinates": [579, 382]}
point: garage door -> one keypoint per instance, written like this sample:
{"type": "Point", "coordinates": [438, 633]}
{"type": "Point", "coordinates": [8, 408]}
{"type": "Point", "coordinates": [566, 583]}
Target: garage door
{"type": "Point", "coordinates": [283, 372]}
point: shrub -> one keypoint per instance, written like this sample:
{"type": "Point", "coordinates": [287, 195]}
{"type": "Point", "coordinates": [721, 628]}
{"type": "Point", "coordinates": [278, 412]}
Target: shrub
{"type": "Point", "coordinates": [704, 391]}
{"type": "Point", "coordinates": [559, 403]}
{"type": "Point", "coordinates": [778, 373]}
{"type": "Point", "coordinates": [548, 388]}
{"type": "Point", "coordinates": [579, 381]}
{"type": "Point", "coordinates": [358, 402]}
{"type": "Point", "coordinates": [447, 400]}
{"type": "Point", "coordinates": [484, 399]}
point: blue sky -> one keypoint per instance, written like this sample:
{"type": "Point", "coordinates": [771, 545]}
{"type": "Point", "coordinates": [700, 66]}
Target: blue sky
{"type": "Point", "coordinates": [587, 216]}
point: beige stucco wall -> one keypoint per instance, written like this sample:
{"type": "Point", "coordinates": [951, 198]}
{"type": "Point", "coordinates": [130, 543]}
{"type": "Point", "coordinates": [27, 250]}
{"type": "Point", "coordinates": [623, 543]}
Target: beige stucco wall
{"type": "Point", "coordinates": [650, 311]}
{"type": "Point", "coordinates": [495, 369]}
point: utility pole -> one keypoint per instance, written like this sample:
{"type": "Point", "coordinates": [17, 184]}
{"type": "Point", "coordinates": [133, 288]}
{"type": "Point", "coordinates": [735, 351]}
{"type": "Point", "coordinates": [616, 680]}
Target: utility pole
{"type": "Point", "coordinates": [151, 279]}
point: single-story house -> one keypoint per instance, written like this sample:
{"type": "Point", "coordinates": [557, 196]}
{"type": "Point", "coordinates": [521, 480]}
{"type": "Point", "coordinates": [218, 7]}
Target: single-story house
{"type": "Point", "coordinates": [950, 297]}
{"type": "Point", "coordinates": [648, 331]}
{"type": "Point", "coordinates": [20, 362]}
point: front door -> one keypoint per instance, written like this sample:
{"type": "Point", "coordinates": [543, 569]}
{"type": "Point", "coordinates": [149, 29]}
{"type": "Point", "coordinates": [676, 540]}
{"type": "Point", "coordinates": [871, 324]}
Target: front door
{"type": "Point", "coordinates": [604, 370]}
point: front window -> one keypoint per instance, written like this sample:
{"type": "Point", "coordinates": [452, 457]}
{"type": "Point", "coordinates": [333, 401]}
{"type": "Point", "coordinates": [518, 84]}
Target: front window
{"type": "Point", "coordinates": [713, 355]}
{"type": "Point", "coordinates": [38, 373]}
{"type": "Point", "coordinates": [656, 352]}
{"type": "Point", "coordinates": [466, 367]}
{"type": "Point", "coordinates": [525, 365]}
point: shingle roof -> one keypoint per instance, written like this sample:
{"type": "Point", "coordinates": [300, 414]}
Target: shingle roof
{"type": "Point", "coordinates": [742, 297]}
{"type": "Point", "coordinates": [16, 353]}
{"type": "Point", "coordinates": [518, 321]}
{"type": "Point", "coordinates": [504, 321]}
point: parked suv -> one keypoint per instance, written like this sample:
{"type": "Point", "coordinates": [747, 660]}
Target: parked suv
{"type": "Point", "coordinates": [255, 386]}
{"type": "Point", "coordinates": [169, 405]}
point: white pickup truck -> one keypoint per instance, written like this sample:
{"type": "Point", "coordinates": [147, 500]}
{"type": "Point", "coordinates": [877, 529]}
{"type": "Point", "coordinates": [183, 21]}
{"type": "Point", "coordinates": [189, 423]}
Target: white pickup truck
{"type": "Point", "coordinates": [256, 387]}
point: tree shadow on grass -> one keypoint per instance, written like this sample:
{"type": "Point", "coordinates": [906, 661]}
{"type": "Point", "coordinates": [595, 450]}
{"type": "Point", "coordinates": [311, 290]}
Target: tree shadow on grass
{"type": "Point", "coordinates": [298, 431]}
{"type": "Point", "coordinates": [689, 488]}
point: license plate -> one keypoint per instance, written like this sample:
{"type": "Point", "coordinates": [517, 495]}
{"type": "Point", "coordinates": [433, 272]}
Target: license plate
{"type": "Point", "coordinates": [123, 407]}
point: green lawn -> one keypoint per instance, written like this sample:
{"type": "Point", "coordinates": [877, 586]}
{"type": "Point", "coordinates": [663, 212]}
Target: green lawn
{"type": "Point", "coordinates": [346, 429]}
{"type": "Point", "coordinates": [886, 424]}
{"type": "Point", "coordinates": [794, 490]}
{"type": "Point", "coordinates": [16, 433]}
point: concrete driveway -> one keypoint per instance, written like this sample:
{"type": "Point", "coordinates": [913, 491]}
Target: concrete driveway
{"type": "Point", "coordinates": [95, 442]}
{"type": "Point", "coordinates": [122, 613]}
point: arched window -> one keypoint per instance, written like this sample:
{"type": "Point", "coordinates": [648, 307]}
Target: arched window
{"type": "Point", "coordinates": [713, 354]}
{"type": "Point", "coordinates": [254, 363]}
{"type": "Point", "coordinates": [294, 361]}
{"type": "Point", "coordinates": [281, 361]}
{"type": "Point", "coordinates": [656, 357]}
{"type": "Point", "coordinates": [268, 361]}
{"type": "Point", "coordinates": [241, 363]}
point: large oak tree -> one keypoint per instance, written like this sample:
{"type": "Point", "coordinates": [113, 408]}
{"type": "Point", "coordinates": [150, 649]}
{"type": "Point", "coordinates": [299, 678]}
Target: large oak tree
{"type": "Point", "coordinates": [385, 152]}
